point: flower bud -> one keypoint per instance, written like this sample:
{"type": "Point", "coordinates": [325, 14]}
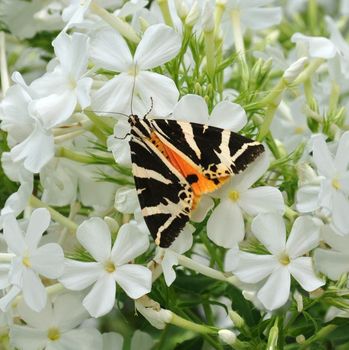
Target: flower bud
{"type": "Point", "coordinates": [193, 15]}
{"type": "Point", "coordinates": [152, 311]}
{"type": "Point", "coordinates": [207, 18]}
{"type": "Point", "coordinates": [294, 70]}
{"type": "Point", "coordinates": [182, 9]}
{"type": "Point", "coordinates": [227, 336]}
{"type": "Point", "coordinates": [238, 321]}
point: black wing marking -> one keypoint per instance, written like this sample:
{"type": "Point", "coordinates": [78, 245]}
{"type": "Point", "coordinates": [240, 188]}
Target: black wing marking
{"type": "Point", "coordinates": [164, 195]}
{"type": "Point", "coordinates": [213, 151]}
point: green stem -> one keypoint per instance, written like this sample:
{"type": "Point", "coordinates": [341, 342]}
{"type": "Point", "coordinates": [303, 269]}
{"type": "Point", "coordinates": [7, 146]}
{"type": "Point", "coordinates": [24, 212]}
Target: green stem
{"type": "Point", "coordinates": [163, 4]}
{"type": "Point", "coordinates": [238, 37]}
{"type": "Point", "coordinates": [268, 118]}
{"type": "Point", "coordinates": [308, 72]}
{"type": "Point", "coordinates": [99, 122]}
{"type": "Point", "coordinates": [321, 334]}
{"type": "Point", "coordinates": [55, 215]}
{"type": "Point", "coordinates": [313, 16]}
{"type": "Point", "coordinates": [210, 54]}
{"type": "Point", "coordinates": [198, 328]}
{"type": "Point", "coordinates": [6, 257]}
{"type": "Point", "coordinates": [115, 22]}
{"type": "Point", "coordinates": [75, 156]}
{"type": "Point", "coordinates": [205, 270]}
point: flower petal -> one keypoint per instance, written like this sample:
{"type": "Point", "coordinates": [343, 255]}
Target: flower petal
{"type": "Point", "coordinates": [23, 337]}
{"type": "Point", "coordinates": [342, 155]}
{"type": "Point", "coordinates": [83, 338]}
{"type": "Point", "coordinates": [276, 290]}
{"type": "Point", "coordinates": [94, 236]}
{"type": "Point", "coordinates": [303, 272]}
{"type": "Point", "coordinates": [261, 18]}
{"type": "Point", "coordinates": [141, 340]}
{"type": "Point", "coordinates": [36, 150]}
{"type": "Point", "coordinates": [101, 299]}
{"type": "Point", "coordinates": [340, 211]}
{"type": "Point", "coordinates": [54, 109]}
{"type": "Point", "coordinates": [253, 268]}
{"type": "Point", "coordinates": [82, 91]}
{"type": "Point", "coordinates": [160, 43]}
{"type": "Point", "coordinates": [333, 264]}
{"type": "Point", "coordinates": [8, 298]}
{"type": "Point", "coordinates": [72, 52]}
{"type": "Point", "coordinates": [262, 200]}
{"type": "Point", "coordinates": [130, 243]}
{"type": "Point", "coordinates": [79, 275]}
{"type": "Point", "coordinates": [322, 156]}
{"type": "Point", "coordinates": [228, 115]}
{"type": "Point", "coordinates": [304, 236]}
{"type": "Point", "coordinates": [68, 311]}
{"type": "Point", "coordinates": [308, 198]}
{"type": "Point", "coordinates": [114, 95]}
{"type": "Point", "coordinates": [110, 51]}
{"type": "Point", "coordinates": [226, 227]}
{"type": "Point", "coordinates": [48, 260]}
{"type": "Point", "coordinates": [41, 320]}
{"type": "Point", "coordinates": [201, 211]}
{"type": "Point", "coordinates": [270, 230]}
{"type": "Point", "coordinates": [34, 292]}
{"type": "Point", "coordinates": [191, 108]}
{"type": "Point", "coordinates": [38, 223]}
{"type": "Point", "coordinates": [169, 260]}
{"type": "Point", "coordinates": [317, 46]}
{"type": "Point", "coordinates": [13, 235]}
{"type": "Point", "coordinates": [135, 280]}
{"type": "Point", "coordinates": [161, 89]}
{"type": "Point", "coordinates": [337, 242]}
{"type": "Point", "coordinates": [184, 240]}
{"type": "Point", "coordinates": [126, 200]}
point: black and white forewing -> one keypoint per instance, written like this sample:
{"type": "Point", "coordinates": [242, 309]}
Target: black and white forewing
{"type": "Point", "coordinates": [164, 195]}
{"type": "Point", "coordinates": [213, 151]}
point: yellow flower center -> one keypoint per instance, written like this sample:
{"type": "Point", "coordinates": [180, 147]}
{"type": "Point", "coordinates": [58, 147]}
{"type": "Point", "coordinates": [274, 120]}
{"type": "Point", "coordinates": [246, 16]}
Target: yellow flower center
{"type": "Point", "coordinates": [26, 261]}
{"type": "Point", "coordinates": [336, 184]}
{"type": "Point", "coordinates": [299, 130]}
{"type": "Point", "coordinates": [284, 259]}
{"type": "Point", "coordinates": [53, 334]}
{"type": "Point", "coordinates": [234, 195]}
{"type": "Point", "coordinates": [109, 266]}
{"type": "Point", "coordinates": [133, 70]}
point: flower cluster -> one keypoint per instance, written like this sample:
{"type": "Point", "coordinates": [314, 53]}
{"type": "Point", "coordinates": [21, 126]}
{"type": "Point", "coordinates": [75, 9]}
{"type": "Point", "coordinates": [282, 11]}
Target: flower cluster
{"type": "Point", "coordinates": [263, 254]}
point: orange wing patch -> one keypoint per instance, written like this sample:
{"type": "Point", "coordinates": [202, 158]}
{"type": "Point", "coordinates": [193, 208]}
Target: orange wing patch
{"type": "Point", "coordinates": [198, 182]}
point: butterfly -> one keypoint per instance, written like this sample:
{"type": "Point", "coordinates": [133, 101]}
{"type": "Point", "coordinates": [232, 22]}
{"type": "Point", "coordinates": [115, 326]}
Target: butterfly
{"type": "Point", "coordinates": [175, 162]}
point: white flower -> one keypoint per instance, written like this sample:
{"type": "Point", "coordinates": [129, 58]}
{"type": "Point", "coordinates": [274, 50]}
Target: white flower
{"type": "Point", "coordinates": [286, 258]}
{"type": "Point", "coordinates": [66, 86]}
{"type": "Point", "coordinates": [109, 50]}
{"type": "Point", "coordinates": [314, 46]}
{"type": "Point", "coordinates": [169, 257]}
{"type": "Point", "coordinates": [111, 266]}
{"type": "Point", "coordinates": [333, 262]}
{"type": "Point", "coordinates": [255, 14]}
{"type": "Point", "coordinates": [31, 260]}
{"type": "Point", "coordinates": [55, 327]}
{"type": "Point", "coordinates": [225, 226]}
{"type": "Point", "coordinates": [225, 114]}
{"type": "Point", "coordinates": [332, 192]}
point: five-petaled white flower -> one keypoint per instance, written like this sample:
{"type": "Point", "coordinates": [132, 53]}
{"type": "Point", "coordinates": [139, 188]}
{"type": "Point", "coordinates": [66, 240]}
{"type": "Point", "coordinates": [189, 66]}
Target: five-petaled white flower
{"type": "Point", "coordinates": [226, 226]}
{"type": "Point", "coordinates": [55, 327]}
{"type": "Point", "coordinates": [112, 265]}
{"type": "Point", "coordinates": [286, 258]}
{"type": "Point", "coordinates": [331, 191]}
{"type": "Point", "coordinates": [31, 260]}
{"type": "Point", "coordinates": [109, 50]}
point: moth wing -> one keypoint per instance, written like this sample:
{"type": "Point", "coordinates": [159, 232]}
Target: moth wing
{"type": "Point", "coordinates": [165, 197]}
{"type": "Point", "coordinates": [213, 151]}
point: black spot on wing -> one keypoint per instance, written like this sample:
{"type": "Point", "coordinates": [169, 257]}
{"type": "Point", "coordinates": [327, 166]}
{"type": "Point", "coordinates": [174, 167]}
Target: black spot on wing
{"type": "Point", "coordinates": [192, 178]}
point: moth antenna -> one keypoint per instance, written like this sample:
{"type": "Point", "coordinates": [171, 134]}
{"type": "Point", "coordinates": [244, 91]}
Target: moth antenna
{"type": "Point", "coordinates": [103, 112]}
{"type": "Point", "coordinates": [150, 109]}
{"type": "Point", "coordinates": [133, 87]}
{"type": "Point", "coordinates": [122, 138]}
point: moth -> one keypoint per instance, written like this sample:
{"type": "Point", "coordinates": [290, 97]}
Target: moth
{"type": "Point", "coordinates": [175, 162]}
